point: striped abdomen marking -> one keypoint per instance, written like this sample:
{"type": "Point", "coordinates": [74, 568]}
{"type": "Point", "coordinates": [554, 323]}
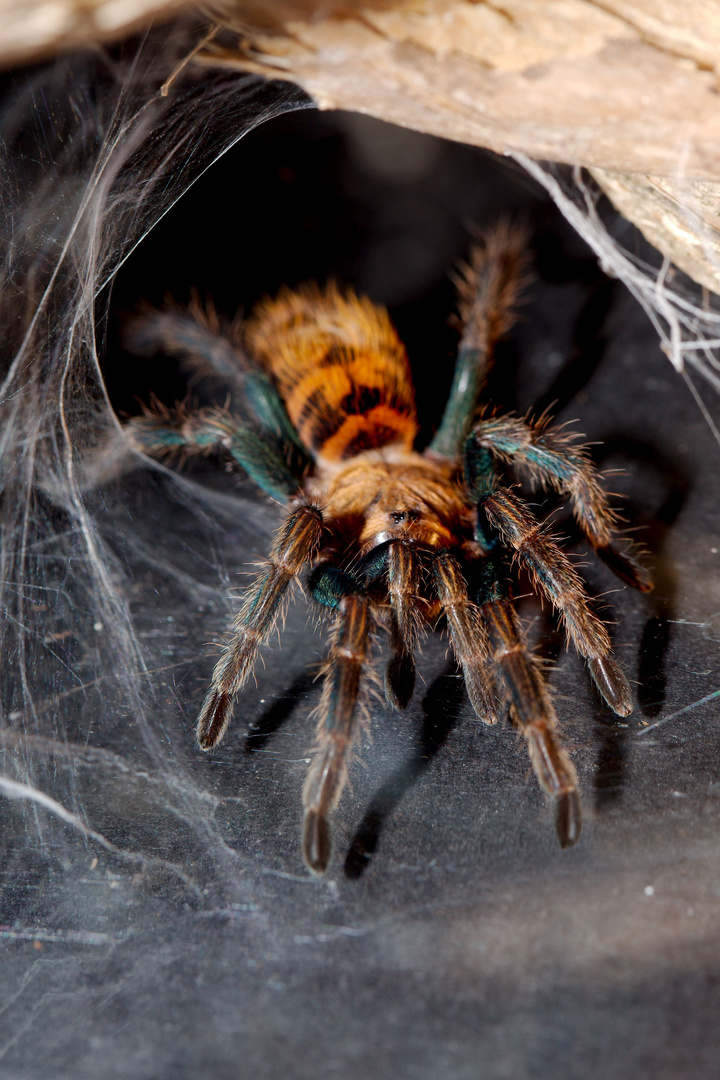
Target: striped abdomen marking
{"type": "Point", "coordinates": [341, 369]}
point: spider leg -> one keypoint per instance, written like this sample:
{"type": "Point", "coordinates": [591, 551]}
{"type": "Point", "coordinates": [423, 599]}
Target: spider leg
{"type": "Point", "coordinates": [327, 775]}
{"type": "Point", "coordinates": [556, 577]}
{"type": "Point", "coordinates": [399, 562]}
{"type": "Point", "coordinates": [294, 546]}
{"type": "Point", "coordinates": [161, 431]}
{"type": "Point", "coordinates": [206, 348]}
{"type": "Point", "coordinates": [467, 633]}
{"type": "Point", "coordinates": [530, 703]}
{"type": "Point", "coordinates": [552, 457]}
{"type": "Point", "coordinates": [193, 334]}
{"type": "Point", "coordinates": [404, 571]}
{"type": "Point", "coordinates": [488, 286]}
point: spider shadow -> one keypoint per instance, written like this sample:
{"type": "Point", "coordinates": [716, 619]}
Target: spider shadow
{"type": "Point", "coordinates": [588, 350]}
{"type": "Point", "coordinates": [611, 761]}
{"type": "Point", "coordinates": [589, 345]}
{"type": "Point", "coordinates": [655, 531]}
{"type": "Point", "coordinates": [654, 526]}
{"type": "Point", "coordinates": [442, 706]}
{"type": "Point", "coordinates": [271, 719]}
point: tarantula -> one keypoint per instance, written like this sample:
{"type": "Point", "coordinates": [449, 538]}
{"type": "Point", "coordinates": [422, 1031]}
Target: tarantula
{"type": "Point", "coordinates": [393, 537]}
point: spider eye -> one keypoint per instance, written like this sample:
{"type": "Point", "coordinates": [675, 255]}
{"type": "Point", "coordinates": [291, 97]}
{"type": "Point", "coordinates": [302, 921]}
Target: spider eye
{"type": "Point", "coordinates": [399, 516]}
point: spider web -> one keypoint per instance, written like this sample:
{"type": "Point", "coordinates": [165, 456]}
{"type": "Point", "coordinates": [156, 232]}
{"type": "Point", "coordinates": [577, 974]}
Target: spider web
{"type": "Point", "coordinates": [94, 688]}
{"type": "Point", "coordinates": [142, 881]}
{"type": "Point", "coordinates": [688, 328]}
{"type": "Point", "coordinates": [92, 155]}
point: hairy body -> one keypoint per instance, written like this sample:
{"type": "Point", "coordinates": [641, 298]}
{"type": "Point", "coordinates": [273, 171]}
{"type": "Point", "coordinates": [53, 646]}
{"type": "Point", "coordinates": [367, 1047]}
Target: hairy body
{"type": "Point", "coordinates": [394, 538]}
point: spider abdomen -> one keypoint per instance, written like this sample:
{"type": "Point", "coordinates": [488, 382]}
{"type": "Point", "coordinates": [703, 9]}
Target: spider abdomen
{"type": "Point", "coordinates": [341, 370]}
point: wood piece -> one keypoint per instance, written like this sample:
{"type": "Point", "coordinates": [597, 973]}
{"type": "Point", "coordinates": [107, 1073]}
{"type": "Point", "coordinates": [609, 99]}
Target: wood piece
{"type": "Point", "coordinates": [681, 218]}
{"type": "Point", "coordinates": [625, 85]}
{"type": "Point", "coordinates": [628, 88]}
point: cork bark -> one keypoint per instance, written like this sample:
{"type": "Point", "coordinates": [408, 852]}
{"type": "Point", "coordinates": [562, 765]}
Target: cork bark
{"type": "Point", "coordinates": [628, 88]}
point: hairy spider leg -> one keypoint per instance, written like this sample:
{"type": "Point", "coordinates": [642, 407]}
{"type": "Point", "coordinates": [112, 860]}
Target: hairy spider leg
{"type": "Point", "coordinates": [554, 575]}
{"type": "Point", "coordinates": [208, 349]}
{"type": "Point", "coordinates": [161, 431]}
{"type": "Point", "coordinates": [488, 287]}
{"type": "Point", "coordinates": [337, 721]}
{"type": "Point", "coordinates": [404, 581]}
{"type": "Point", "coordinates": [398, 563]}
{"type": "Point", "coordinates": [293, 548]}
{"type": "Point", "coordinates": [467, 634]}
{"type": "Point", "coordinates": [502, 516]}
{"type": "Point", "coordinates": [550, 456]}
{"type": "Point", "coordinates": [194, 334]}
{"type": "Point", "coordinates": [516, 669]}
{"type": "Point", "coordinates": [530, 703]}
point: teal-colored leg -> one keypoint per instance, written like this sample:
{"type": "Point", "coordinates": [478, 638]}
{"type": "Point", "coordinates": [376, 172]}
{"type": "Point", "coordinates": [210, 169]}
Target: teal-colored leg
{"type": "Point", "coordinates": [488, 288]}
{"type": "Point", "coordinates": [207, 349]}
{"type": "Point", "coordinates": [553, 457]}
{"type": "Point", "coordinates": [210, 430]}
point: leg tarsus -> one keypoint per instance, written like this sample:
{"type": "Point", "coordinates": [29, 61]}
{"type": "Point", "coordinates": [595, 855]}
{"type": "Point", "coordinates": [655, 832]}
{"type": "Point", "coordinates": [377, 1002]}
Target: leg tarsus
{"type": "Point", "coordinates": [336, 728]}
{"type": "Point", "coordinates": [610, 680]}
{"type": "Point", "coordinates": [568, 819]}
{"type": "Point", "coordinates": [534, 715]}
{"type": "Point", "coordinates": [316, 842]}
{"type": "Point", "coordinates": [214, 718]}
{"type": "Point", "coordinates": [400, 678]}
{"type": "Point", "coordinates": [624, 566]}
{"type": "Point", "coordinates": [556, 577]}
{"type": "Point", "coordinates": [294, 546]}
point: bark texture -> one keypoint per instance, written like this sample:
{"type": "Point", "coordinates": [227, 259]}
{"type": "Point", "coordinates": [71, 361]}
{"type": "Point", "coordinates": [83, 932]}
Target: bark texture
{"type": "Point", "coordinates": [622, 85]}
{"type": "Point", "coordinates": [628, 88]}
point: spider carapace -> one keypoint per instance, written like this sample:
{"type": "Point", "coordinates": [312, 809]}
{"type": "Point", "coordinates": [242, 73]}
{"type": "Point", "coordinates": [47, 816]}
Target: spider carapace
{"type": "Point", "coordinates": [393, 538]}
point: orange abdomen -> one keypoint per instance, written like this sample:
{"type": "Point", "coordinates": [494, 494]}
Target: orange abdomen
{"type": "Point", "coordinates": [341, 369]}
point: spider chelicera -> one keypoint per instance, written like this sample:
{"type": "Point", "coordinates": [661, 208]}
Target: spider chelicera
{"type": "Point", "coordinates": [393, 538]}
